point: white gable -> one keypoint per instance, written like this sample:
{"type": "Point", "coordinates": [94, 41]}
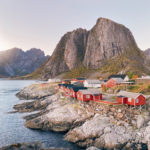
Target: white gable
{"type": "Point", "coordinates": [126, 78]}
{"type": "Point", "coordinates": [92, 83]}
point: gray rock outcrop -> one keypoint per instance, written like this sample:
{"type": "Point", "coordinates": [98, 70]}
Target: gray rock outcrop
{"type": "Point", "coordinates": [94, 132]}
{"type": "Point", "coordinates": [88, 124]}
{"type": "Point", "coordinates": [36, 91]}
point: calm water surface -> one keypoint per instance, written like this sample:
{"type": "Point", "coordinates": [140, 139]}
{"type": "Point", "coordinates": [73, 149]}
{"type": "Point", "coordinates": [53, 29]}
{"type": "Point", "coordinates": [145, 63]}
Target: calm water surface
{"type": "Point", "coordinates": [12, 129]}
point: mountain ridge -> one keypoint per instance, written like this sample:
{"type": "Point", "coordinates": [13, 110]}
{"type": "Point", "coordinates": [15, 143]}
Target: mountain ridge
{"type": "Point", "coordinates": [16, 62]}
{"type": "Point", "coordinates": [99, 49]}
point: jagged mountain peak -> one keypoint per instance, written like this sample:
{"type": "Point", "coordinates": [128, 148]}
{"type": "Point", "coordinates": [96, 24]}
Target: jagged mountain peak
{"type": "Point", "coordinates": [16, 62]}
{"type": "Point", "coordinates": [108, 46]}
{"type": "Point", "coordinates": [107, 39]}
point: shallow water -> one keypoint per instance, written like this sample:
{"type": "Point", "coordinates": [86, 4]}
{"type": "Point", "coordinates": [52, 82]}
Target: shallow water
{"type": "Point", "coordinates": [12, 129]}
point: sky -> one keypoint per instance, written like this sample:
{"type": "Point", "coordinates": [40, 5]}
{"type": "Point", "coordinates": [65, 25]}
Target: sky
{"type": "Point", "coordinates": [41, 23]}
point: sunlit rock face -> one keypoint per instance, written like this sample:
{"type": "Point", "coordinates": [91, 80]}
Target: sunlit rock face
{"type": "Point", "coordinates": [16, 62]}
{"type": "Point", "coordinates": [107, 42]}
{"type": "Point", "coordinates": [107, 39]}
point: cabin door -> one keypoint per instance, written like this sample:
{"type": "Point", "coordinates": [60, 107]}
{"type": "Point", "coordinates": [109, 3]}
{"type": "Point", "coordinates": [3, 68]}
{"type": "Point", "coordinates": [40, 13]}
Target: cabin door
{"type": "Point", "coordinates": [124, 101]}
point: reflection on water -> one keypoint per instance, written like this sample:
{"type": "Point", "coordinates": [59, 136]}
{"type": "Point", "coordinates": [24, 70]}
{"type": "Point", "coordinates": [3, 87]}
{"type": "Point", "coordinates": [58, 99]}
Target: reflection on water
{"type": "Point", "coordinates": [12, 129]}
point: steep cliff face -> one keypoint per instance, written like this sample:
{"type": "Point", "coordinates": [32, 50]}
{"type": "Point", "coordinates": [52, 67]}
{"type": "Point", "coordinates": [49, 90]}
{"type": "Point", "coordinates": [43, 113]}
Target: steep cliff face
{"type": "Point", "coordinates": [147, 54]}
{"type": "Point", "coordinates": [107, 40]}
{"type": "Point", "coordinates": [68, 54]}
{"type": "Point", "coordinates": [108, 47]}
{"type": "Point", "coordinates": [147, 60]}
{"type": "Point", "coordinates": [15, 62]}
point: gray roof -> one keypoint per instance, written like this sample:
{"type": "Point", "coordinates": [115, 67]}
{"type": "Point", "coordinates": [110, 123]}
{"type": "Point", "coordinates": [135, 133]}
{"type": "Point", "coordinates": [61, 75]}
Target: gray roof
{"type": "Point", "coordinates": [118, 80]}
{"type": "Point", "coordinates": [90, 91]}
{"type": "Point", "coordinates": [93, 81]}
{"type": "Point", "coordinates": [117, 76]}
{"type": "Point", "coordinates": [128, 94]}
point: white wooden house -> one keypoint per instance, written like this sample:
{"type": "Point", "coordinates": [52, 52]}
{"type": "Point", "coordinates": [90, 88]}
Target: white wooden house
{"type": "Point", "coordinates": [92, 83]}
{"type": "Point", "coordinates": [54, 80]}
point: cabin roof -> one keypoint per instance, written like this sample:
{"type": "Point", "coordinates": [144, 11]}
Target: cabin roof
{"type": "Point", "coordinates": [118, 80]}
{"type": "Point", "coordinates": [78, 83]}
{"type": "Point", "coordinates": [66, 80]}
{"type": "Point", "coordinates": [90, 91]}
{"type": "Point", "coordinates": [117, 76]}
{"type": "Point", "coordinates": [66, 85]}
{"type": "Point", "coordinates": [69, 85]}
{"type": "Point", "coordinates": [80, 78]}
{"type": "Point", "coordinates": [93, 81]}
{"type": "Point", "coordinates": [128, 94]}
{"type": "Point", "coordinates": [76, 89]}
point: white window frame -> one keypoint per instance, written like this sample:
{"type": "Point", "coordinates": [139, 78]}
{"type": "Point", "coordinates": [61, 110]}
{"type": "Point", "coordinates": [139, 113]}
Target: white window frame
{"type": "Point", "coordinates": [130, 99]}
{"type": "Point", "coordinates": [136, 100]}
{"type": "Point", "coordinates": [88, 96]}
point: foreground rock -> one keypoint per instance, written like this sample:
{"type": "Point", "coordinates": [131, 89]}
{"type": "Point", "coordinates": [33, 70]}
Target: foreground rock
{"type": "Point", "coordinates": [29, 146]}
{"type": "Point", "coordinates": [61, 115]}
{"type": "Point", "coordinates": [89, 124]}
{"type": "Point", "coordinates": [36, 105]}
{"type": "Point", "coordinates": [36, 91]}
{"type": "Point", "coordinates": [100, 132]}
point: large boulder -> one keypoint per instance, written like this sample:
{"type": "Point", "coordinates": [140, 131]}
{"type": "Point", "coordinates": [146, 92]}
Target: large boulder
{"type": "Point", "coordinates": [61, 116]}
{"type": "Point", "coordinates": [100, 132]}
{"type": "Point", "coordinates": [142, 119]}
{"type": "Point", "coordinates": [37, 104]}
{"type": "Point", "coordinates": [36, 91]}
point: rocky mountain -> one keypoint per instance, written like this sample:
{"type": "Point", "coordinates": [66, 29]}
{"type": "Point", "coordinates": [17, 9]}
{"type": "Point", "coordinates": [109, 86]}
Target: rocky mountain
{"type": "Point", "coordinates": [147, 53]}
{"type": "Point", "coordinates": [107, 47]}
{"type": "Point", "coordinates": [16, 62]}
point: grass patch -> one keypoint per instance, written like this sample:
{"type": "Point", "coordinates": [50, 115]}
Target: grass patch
{"type": "Point", "coordinates": [78, 72]}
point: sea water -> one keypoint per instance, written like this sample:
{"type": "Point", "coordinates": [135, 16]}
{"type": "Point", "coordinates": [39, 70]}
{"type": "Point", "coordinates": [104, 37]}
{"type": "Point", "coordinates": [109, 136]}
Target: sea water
{"type": "Point", "coordinates": [12, 129]}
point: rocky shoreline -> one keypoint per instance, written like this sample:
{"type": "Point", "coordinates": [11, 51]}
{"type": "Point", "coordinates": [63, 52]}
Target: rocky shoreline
{"type": "Point", "coordinates": [29, 146]}
{"type": "Point", "coordinates": [86, 124]}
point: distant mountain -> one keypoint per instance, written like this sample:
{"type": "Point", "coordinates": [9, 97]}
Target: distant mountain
{"type": "Point", "coordinates": [16, 62]}
{"type": "Point", "coordinates": [108, 47]}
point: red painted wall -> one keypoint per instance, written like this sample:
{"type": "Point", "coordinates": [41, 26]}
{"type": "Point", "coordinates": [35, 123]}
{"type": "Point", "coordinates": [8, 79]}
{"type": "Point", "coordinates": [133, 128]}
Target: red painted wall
{"type": "Point", "coordinates": [73, 94]}
{"type": "Point", "coordinates": [122, 100]}
{"type": "Point", "coordinates": [83, 97]}
{"type": "Point", "coordinates": [141, 101]}
{"type": "Point", "coordinates": [98, 97]}
{"type": "Point", "coordinates": [111, 83]}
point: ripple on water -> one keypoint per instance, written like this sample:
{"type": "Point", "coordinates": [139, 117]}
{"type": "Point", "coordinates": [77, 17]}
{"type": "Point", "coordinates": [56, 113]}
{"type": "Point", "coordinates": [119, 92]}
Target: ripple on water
{"type": "Point", "coordinates": [12, 129]}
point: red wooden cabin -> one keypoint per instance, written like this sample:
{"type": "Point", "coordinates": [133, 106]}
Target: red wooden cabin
{"type": "Point", "coordinates": [89, 95]}
{"type": "Point", "coordinates": [78, 80]}
{"type": "Point", "coordinates": [122, 99]}
{"type": "Point", "coordinates": [74, 90]}
{"type": "Point", "coordinates": [68, 89]}
{"type": "Point", "coordinates": [134, 99]}
{"type": "Point", "coordinates": [43, 85]}
{"type": "Point", "coordinates": [59, 86]}
{"type": "Point", "coordinates": [65, 89]}
{"type": "Point", "coordinates": [113, 82]}
{"type": "Point", "coordinates": [97, 97]}
{"type": "Point", "coordinates": [66, 82]}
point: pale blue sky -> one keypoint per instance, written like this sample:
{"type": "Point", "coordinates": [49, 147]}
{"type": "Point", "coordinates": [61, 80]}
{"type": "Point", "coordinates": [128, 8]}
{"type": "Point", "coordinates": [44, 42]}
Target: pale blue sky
{"type": "Point", "coordinates": [41, 23]}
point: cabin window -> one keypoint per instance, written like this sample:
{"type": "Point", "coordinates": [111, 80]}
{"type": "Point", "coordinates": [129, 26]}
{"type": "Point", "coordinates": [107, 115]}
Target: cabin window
{"type": "Point", "coordinates": [137, 100]}
{"type": "Point", "coordinates": [87, 96]}
{"type": "Point", "coordinates": [130, 99]}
